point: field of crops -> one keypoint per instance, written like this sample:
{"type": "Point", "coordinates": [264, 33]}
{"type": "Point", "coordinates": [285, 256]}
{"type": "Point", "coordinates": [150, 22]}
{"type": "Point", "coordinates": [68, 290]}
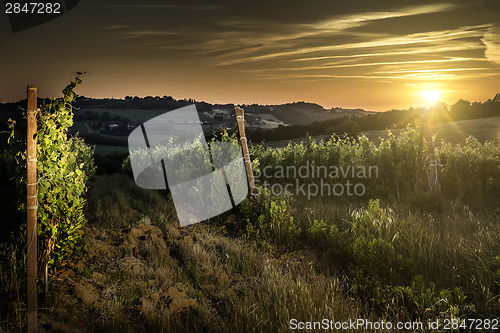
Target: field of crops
{"type": "Point", "coordinates": [455, 132]}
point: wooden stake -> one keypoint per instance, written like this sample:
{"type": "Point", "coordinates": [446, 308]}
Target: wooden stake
{"type": "Point", "coordinates": [426, 134]}
{"type": "Point", "coordinates": [420, 148]}
{"type": "Point", "coordinates": [308, 141]}
{"type": "Point", "coordinates": [433, 183]}
{"type": "Point", "coordinates": [32, 209]}
{"type": "Point", "coordinates": [240, 117]}
{"type": "Point", "coordinates": [46, 280]}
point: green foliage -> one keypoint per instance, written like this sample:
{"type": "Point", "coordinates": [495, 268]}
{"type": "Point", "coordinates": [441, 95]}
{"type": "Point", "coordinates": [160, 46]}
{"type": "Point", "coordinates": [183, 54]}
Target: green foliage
{"type": "Point", "coordinates": [381, 271]}
{"type": "Point", "coordinates": [65, 165]}
{"type": "Point", "coordinates": [270, 218]}
{"type": "Point", "coordinates": [349, 126]}
{"type": "Point", "coordinates": [405, 266]}
{"type": "Point", "coordinates": [424, 300]}
{"type": "Point", "coordinates": [471, 172]}
{"type": "Point", "coordinates": [194, 157]}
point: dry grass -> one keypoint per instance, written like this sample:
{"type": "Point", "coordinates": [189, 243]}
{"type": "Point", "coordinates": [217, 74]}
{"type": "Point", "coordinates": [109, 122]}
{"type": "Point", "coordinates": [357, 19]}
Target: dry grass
{"type": "Point", "coordinates": [191, 281]}
{"type": "Point", "coordinates": [146, 274]}
{"type": "Point", "coordinates": [155, 276]}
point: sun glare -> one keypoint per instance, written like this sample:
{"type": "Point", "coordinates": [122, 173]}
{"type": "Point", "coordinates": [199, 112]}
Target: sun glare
{"type": "Point", "coordinates": [432, 96]}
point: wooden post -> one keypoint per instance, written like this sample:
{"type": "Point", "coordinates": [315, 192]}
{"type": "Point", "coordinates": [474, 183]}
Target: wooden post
{"type": "Point", "coordinates": [433, 176]}
{"type": "Point", "coordinates": [32, 209]}
{"type": "Point", "coordinates": [426, 135]}
{"type": "Point", "coordinates": [308, 141]}
{"type": "Point", "coordinates": [240, 117]}
{"type": "Point", "coordinates": [419, 122]}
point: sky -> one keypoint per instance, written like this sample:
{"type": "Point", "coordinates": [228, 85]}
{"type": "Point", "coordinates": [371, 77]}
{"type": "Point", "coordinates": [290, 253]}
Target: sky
{"type": "Point", "coordinates": [375, 55]}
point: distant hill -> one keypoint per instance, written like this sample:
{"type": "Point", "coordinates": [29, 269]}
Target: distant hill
{"type": "Point", "coordinates": [287, 114]}
{"type": "Point", "coordinates": [304, 112]}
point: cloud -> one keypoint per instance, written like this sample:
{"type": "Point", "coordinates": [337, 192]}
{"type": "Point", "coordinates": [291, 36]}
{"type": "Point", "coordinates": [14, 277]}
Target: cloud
{"type": "Point", "coordinates": [324, 46]}
{"type": "Point", "coordinates": [409, 51]}
{"type": "Point", "coordinates": [273, 36]}
{"type": "Point", "coordinates": [367, 64]}
{"type": "Point", "coordinates": [116, 26]}
{"type": "Point", "coordinates": [142, 33]}
{"type": "Point", "coordinates": [491, 40]}
{"type": "Point", "coordinates": [423, 39]}
{"type": "Point", "coordinates": [242, 39]}
{"type": "Point", "coordinates": [356, 20]}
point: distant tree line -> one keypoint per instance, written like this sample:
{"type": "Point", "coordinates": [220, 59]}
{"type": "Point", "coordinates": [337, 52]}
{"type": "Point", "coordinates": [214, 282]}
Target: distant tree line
{"type": "Point", "coordinates": [148, 102]}
{"type": "Point", "coordinates": [461, 110]}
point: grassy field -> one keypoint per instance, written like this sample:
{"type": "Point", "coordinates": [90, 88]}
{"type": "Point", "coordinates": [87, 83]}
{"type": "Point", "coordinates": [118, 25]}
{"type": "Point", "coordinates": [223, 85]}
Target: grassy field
{"type": "Point", "coordinates": [137, 115]}
{"type": "Point", "coordinates": [455, 132]}
{"type": "Point", "coordinates": [142, 272]}
{"type": "Point", "coordinates": [418, 244]}
{"type": "Point", "coordinates": [272, 259]}
{"type": "Point", "coordinates": [483, 129]}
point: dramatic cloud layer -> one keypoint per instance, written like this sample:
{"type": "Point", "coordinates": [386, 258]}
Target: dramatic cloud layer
{"type": "Point", "coordinates": [492, 42]}
{"type": "Point", "coordinates": [372, 54]}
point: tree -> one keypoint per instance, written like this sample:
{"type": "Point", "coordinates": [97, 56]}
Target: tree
{"type": "Point", "coordinates": [461, 109]}
{"type": "Point", "coordinates": [349, 127]}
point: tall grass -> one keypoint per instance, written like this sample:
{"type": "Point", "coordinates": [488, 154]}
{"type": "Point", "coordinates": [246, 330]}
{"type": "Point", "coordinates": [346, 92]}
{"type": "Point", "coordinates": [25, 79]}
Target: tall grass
{"type": "Point", "coordinates": [236, 287]}
{"type": "Point", "coordinates": [299, 258]}
{"type": "Point", "coordinates": [12, 286]}
{"type": "Point", "coordinates": [424, 256]}
{"type": "Point", "coordinates": [116, 202]}
{"type": "Point", "coordinates": [405, 265]}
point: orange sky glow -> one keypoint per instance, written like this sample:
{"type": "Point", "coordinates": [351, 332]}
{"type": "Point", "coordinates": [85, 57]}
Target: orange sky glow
{"type": "Point", "coordinates": [376, 56]}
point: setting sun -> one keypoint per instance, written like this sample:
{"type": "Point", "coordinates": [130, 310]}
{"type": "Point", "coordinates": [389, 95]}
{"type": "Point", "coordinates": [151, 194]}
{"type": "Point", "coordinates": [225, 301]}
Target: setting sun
{"type": "Point", "coordinates": [432, 96]}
